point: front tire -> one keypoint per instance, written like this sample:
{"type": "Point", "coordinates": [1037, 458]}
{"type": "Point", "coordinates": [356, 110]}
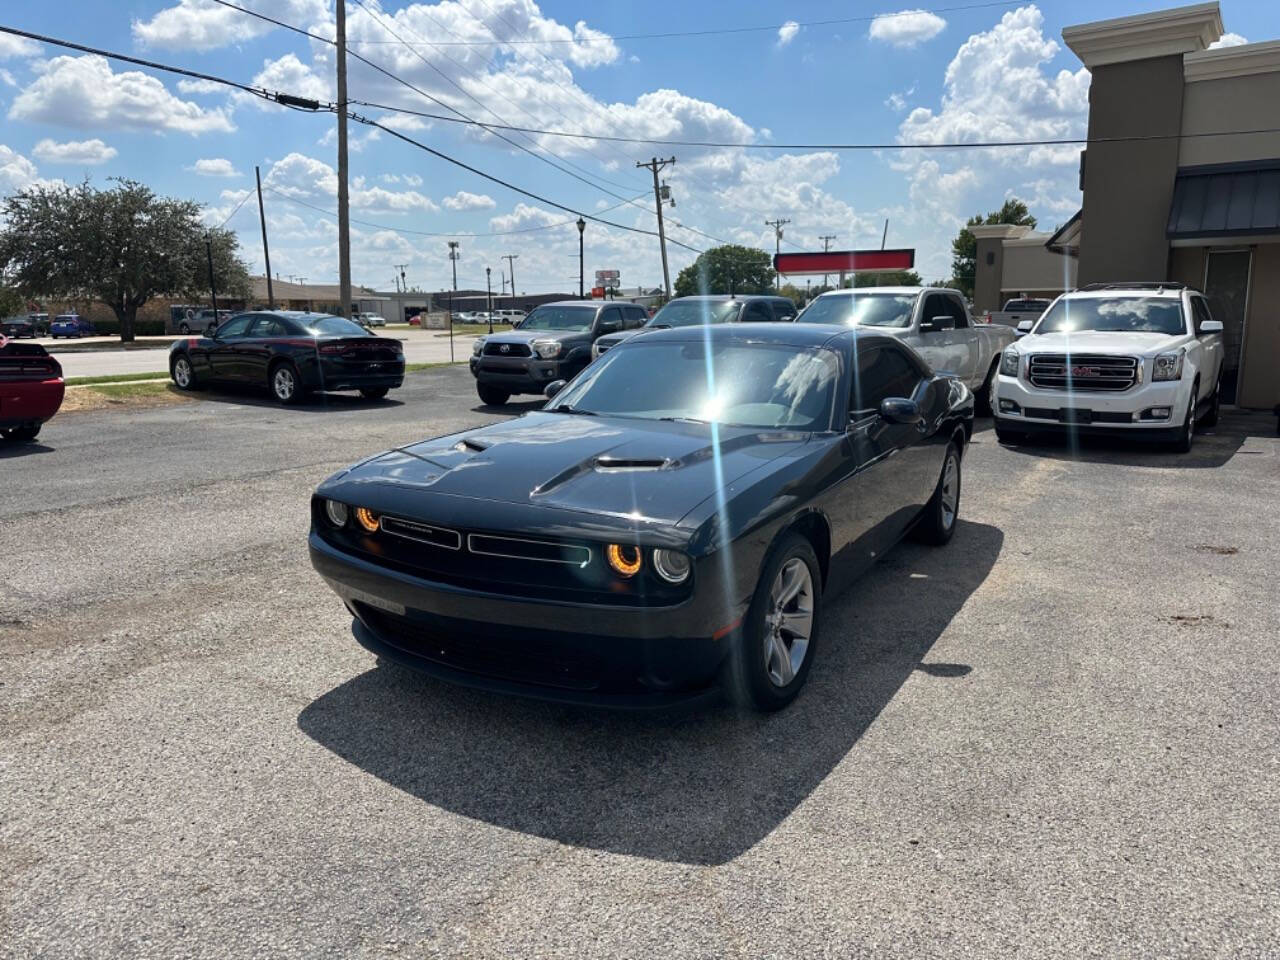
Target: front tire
{"type": "Point", "coordinates": [21, 434]}
{"type": "Point", "coordinates": [184, 375]}
{"type": "Point", "coordinates": [184, 328]}
{"type": "Point", "coordinates": [492, 396]}
{"type": "Point", "coordinates": [937, 524]}
{"type": "Point", "coordinates": [774, 650]}
{"type": "Point", "coordinates": [285, 384]}
{"type": "Point", "coordinates": [1210, 419]}
{"type": "Point", "coordinates": [1187, 436]}
{"type": "Point", "coordinates": [1006, 436]}
{"type": "Point", "coordinates": [985, 400]}
{"type": "Point", "coordinates": [373, 393]}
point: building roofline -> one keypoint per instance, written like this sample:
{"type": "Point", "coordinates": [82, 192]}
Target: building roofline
{"type": "Point", "coordinates": [1242, 60]}
{"type": "Point", "coordinates": [1162, 33]}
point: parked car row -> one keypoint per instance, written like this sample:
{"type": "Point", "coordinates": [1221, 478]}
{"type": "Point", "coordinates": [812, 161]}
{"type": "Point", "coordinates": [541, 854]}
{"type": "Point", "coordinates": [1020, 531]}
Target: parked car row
{"type": "Point", "coordinates": [32, 325]}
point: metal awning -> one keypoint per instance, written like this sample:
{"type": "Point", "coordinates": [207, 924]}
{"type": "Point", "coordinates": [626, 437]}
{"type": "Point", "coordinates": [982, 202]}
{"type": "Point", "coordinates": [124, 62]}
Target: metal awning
{"type": "Point", "coordinates": [1226, 200]}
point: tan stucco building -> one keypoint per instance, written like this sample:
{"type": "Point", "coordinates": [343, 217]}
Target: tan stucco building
{"type": "Point", "coordinates": [1176, 187]}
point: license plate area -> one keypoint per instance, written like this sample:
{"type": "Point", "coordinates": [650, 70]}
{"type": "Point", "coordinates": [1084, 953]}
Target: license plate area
{"type": "Point", "coordinates": [1075, 415]}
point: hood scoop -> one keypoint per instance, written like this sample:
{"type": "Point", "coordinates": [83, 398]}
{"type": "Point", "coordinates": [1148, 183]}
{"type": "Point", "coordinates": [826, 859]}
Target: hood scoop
{"type": "Point", "coordinates": [471, 445]}
{"type": "Point", "coordinates": [613, 464]}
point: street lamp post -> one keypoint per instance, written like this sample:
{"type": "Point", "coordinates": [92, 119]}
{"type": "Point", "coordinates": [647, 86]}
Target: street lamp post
{"type": "Point", "coordinates": [488, 282]}
{"type": "Point", "coordinates": [582, 225]}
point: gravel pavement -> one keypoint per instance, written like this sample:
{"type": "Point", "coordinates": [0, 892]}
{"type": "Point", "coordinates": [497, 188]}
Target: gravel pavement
{"type": "Point", "coordinates": [1057, 737]}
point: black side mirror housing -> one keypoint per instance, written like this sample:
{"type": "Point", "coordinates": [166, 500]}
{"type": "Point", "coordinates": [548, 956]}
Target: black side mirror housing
{"type": "Point", "coordinates": [934, 324]}
{"type": "Point", "coordinates": [554, 387]}
{"type": "Point", "coordinates": [900, 410]}
{"type": "Point", "coordinates": [608, 326]}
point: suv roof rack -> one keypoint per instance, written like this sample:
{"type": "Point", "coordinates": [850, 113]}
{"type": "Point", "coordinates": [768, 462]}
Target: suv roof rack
{"type": "Point", "coordinates": [1145, 285]}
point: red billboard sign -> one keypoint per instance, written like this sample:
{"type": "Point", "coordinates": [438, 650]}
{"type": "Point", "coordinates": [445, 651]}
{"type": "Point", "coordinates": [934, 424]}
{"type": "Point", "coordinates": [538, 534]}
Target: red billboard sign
{"type": "Point", "coordinates": [845, 261]}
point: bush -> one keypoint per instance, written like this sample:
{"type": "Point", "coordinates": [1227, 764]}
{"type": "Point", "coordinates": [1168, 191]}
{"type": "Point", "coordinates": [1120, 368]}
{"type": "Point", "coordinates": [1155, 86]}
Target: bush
{"type": "Point", "coordinates": [141, 328]}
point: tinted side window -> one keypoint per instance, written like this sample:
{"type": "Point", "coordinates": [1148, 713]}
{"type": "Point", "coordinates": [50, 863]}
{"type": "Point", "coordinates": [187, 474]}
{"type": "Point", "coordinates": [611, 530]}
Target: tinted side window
{"type": "Point", "coordinates": [267, 327]}
{"type": "Point", "coordinates": [1201, 311]}
{"type": "Point", "coordinates": [235, 327]}
{"type": "Point", "coordinates": [633, 317]}
{"type": "Point", "coordinates": [959, 312]}
{"type": "Point", "coordinates": [936, 305]}
{"type": "Point", "coordinates": [784, 309]}
{"type": "Point", "coordinates": [879, 373]}
{"type": "Point", "coordinates": [757, 311]}
{"type": "Point", "coordinates": [609, 315]}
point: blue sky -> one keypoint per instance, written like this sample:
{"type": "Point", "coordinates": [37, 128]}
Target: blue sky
{"type": "Point", "coordinates": [995, 72]}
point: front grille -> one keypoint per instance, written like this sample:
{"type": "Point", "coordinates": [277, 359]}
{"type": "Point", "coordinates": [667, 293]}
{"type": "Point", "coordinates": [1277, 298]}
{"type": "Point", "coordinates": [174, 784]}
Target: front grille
{"type": "Point", "coordinates": [412, 530]}
{"type": "Point", "coordinates": [507, 350]}
{"type": "Point", "coordinates": [1083, 371]}
{"type": "Point", "coordinates": [517, 548]}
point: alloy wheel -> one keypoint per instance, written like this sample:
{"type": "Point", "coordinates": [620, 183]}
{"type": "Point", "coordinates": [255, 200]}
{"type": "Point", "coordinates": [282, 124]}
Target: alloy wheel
{"type": "Point", "coordinates": [182, 373]}
{"type": "Point", "coordinates": [950, 491]}
{"type": "Point", "coordinates": [788, 622]}
{"type": "Point", "coordinates": [284, 384]}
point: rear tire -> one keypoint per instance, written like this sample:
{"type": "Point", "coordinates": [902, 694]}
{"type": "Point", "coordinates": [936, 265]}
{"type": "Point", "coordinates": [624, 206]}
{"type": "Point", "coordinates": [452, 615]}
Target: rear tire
{"type": "Point", "coordinates": [773, 652]}
{"type": "Point", "coordinates": [492, 396]}
{"type": "Point", "coordinates": [284, 383]}
{"type": "Point", "coordinates": [984, 401]}
{"type": "Point", "coordinates": [937, 524]}
{"type": "Point", "coordinates": [373, 393]}
{"type": "Point", "coordinates": [20, 434]}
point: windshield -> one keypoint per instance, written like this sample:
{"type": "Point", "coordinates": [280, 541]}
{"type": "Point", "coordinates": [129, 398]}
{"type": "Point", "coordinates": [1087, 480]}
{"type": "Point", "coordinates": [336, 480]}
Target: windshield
{"type": "Point", "coordinates": [576, 319]}
{"type": "Point", "coordinates": [1114, 315]}
{"type": "Point", "coordinates": [862, 309]}
{"type": "Point", "coordinates": [336, 325]}
{"type": "Point", "coordinates": [690, 313]}
{"type": "Point", "coordinates": [737, 384]}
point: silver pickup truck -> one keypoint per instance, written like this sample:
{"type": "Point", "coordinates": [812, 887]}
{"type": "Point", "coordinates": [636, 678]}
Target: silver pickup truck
{"type": "Point", "coordinates": [933, 320]}
{"type": "Point", "coordinates": [1017, 312]}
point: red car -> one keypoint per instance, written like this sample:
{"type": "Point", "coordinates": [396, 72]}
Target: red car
{"type": "Point", "coordinates": [31, 389]}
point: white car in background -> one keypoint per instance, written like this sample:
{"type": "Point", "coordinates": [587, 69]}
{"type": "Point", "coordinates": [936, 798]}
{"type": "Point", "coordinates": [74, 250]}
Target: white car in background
{"type": "Point", "coordinates": [934, 320]}
{"type": "Point", "coordinates": [371, 320]}
{"type": "Point", "coordinates": [1138, 360]}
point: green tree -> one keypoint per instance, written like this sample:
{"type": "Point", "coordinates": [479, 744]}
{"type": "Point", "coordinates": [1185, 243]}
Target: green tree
{"type": "Point", "coordinates": [120, 247]}
{"type": "Point", "coordinates": [890, 278]}
{"type": "Point", "coordinates": [12, 303]}
{"type": "Point", "coordinates": [727, 269]}
{"type": "Point", "coordinates": [964, 248]}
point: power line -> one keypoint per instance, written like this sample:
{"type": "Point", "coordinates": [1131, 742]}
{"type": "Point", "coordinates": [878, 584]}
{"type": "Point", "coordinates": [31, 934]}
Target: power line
{"type": "Point", "coordinates": [610, 38]}
{"type": "Point", "coordinates": [246, 196]}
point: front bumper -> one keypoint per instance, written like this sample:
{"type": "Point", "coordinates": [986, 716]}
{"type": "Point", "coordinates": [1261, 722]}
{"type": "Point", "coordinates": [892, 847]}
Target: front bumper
{"type": "Point", "coordinates": [1028, 409]}
{"type": "Point", "coordinates": [631, 657]}
{"type": "Point", "coordinates": [30, 402]}
{"type": "Point", "coordinates": [518, 374]}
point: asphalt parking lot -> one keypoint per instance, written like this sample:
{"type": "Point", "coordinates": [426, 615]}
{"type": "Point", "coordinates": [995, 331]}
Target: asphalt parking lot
{"type": "Point", "coordinates": [1057, 737]}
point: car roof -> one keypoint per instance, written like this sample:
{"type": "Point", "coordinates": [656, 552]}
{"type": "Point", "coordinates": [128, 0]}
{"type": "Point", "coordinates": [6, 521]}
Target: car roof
{"type": "Point", "coordinates": [1112, 292]}
{"type": "Point", "coordinates": [576, 303]}
{"type": "Point", "coordinates": [855, 291]}
{"type": "Point", "coordinates": [726, 297]}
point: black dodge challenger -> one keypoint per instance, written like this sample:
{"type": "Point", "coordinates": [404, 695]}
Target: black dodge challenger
{"type": "Point", "coordinates": [667, 524]}
{"type": "Point", "coordinates": [291, 353]}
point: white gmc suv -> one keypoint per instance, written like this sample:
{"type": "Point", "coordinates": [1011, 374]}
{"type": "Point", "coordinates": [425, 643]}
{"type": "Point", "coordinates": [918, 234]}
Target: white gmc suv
{"type": "Point", "coordinates": [1140, 360]}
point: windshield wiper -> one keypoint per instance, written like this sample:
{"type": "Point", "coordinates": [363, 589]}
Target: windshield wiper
{"type": "Point", "coordinates": [682, 420]}
{"type": "Point", "coordinates": [576, 411]}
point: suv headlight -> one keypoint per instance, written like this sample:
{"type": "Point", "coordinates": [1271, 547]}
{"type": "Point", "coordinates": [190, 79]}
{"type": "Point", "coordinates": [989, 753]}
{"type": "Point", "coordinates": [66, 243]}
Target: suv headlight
{"type": "Point", "coordinates": [1168, 366]}
{"type": "Point", "coordinates": [546, 349]}
{"type": "Point", "coordinates": [477, 346]}
{"type": "Point", "coordinates": [1009, 361]}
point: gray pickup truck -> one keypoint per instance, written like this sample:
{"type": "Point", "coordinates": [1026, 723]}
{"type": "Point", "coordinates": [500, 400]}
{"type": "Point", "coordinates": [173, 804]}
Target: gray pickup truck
{"type": "Point", "coordinates": [933, 320]}
{"type": "Point", "coordinates": [1018, 311]}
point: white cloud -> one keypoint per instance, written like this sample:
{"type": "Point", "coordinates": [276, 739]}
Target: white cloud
{"type": "Point", "coordinates": [1228, 40]}
{"type": "Point", "coordinates": [306, 178]}
{"type": "Point", "coordinates": [7, 78]}
{"type": "Point", "coordinates": [995, 88]}
{"type": "Point", "coordinates": [90, 152]}
{"type": "Point", "coordinates": [288, 74]}
{"type": "Point", "coordinates": [408, 179]}
{"type": "Point", "coordinates": [524, 216]}
{"type": "Point", "coordinates": [787, 32]}
{"type": "Point", "coordinates": [462, 200]}
{"type": "Point", "coordinates": [214, 167]}
{"type": "Point", "coordinates": [11, 46]}
{"type": "Point", "coordinates": [16, 171]}
{"type": "Point", "coordinates": [906, 28]}
{"type": "Point", "coordinates": [84, 93]}
{"type": "Point", "coordinates": [897, 102]}
{"type": "Point", "coordinates": [200, 86]}
{"type": "Point", "coordinates": [199, 25]}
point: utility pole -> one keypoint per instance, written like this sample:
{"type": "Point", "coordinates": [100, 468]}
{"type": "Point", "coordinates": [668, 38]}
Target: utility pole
{"type": "Point", "coordinates": [655, 165]}
{"type": "Point", "coordinates": [401, 286]}
{"type": "Point", "coordinates": [511, 258]}
{"type": "Point", "coordinates": [344, 222]}
{"type": "Point", "coordinates": [826, 239]}
{"type": "Point", "coordinates": [488, 283]}
{"type": "Point", "coordinates": [454, 256]}
{"type": "Point", "coordinates": [504, 284]}
{"type": "Point", "coordinates": [777, 244]}
{"type": "Point", "coordinates": [271, 296]}
{"type": "Point", "coordinates": [213, 290]}
{"type": "Point", "coordinates": [582, 226]}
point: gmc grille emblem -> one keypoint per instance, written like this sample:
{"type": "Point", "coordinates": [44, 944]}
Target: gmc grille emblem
{"type": "Point", "coordinates": [1085, 371]}
{"type": "Point", "coordinates": [505, 348]}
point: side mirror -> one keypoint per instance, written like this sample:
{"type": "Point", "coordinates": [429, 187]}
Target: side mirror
{"type": "Point", "coordinates": [608, 326]}
{"type": "Point", "coordinates": [554, 387]}
{"type": "Point", "coordinates": [1211, 326]}
{"type": "Point", "coordinates": [1025, 326]}
{"type": "Point", "coordinates": [900, 410]}
{"type": "Point", "coordinates": [934, 324]}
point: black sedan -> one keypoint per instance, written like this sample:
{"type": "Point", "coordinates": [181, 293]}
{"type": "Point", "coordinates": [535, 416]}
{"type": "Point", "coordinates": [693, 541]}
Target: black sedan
{"type": "Point", "coordinates": [15, 327]}
{"type": "Point", "coordinates": [290, 353]}
{"type": "Point", "coordinates": [669, 522]}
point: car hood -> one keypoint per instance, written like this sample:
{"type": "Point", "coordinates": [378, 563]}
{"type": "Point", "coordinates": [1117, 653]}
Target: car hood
{"type": "Point", "coordinates": [1093, 342]}
{"type": "Point", "coordinates": [628, 469]}
{"type": "Point", "coordinates": [525, 336]}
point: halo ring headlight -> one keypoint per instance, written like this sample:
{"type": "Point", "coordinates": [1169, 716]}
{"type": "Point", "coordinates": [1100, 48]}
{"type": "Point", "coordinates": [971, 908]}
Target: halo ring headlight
{"type": "Point", "coordinates": [367, 519]}
{"type": "Point", "coordinates": [337, 512]}
{"type": "Point", "coordinates": [624, 558]}
{"type": "Point", "coordinates": [671, 565]}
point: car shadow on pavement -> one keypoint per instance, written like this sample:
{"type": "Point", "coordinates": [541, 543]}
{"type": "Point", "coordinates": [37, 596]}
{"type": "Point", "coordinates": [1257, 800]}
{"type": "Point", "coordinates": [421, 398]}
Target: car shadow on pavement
{"type": "Point", "coordinates": [697, 786]}
{"type": "Point", "coordinates": [10, 450]}
{"type": "Point", "coordinates": [1213, 446]}
{"type": "Point", "coordinates": [311, 403]}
